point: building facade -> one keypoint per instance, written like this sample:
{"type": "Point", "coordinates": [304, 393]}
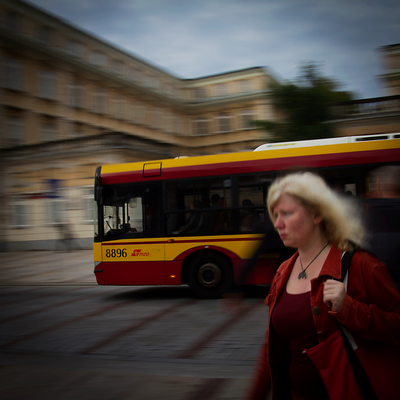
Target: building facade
{"type": "Point", "coordinates": [375, 115]}
{"type": "Point", "coordinates": [70, 102]}
{"type": "Point", "coordinates": [391, 69]}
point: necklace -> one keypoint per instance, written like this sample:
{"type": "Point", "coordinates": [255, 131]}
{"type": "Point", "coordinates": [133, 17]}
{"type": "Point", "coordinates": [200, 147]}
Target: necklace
{"type": "Point", "coordinates": [302, 274]}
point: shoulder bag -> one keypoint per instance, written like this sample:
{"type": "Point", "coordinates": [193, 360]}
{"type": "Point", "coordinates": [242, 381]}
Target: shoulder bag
{"type": "Point", "coordinates": [354, 368]}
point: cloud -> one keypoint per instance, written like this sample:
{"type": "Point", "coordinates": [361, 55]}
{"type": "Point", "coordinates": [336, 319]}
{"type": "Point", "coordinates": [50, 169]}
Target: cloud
{"type": "Point", "coordinates": [203, 37]}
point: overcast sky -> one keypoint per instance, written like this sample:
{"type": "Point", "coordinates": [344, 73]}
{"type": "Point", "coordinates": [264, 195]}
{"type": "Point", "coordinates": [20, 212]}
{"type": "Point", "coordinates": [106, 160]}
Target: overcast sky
{"type": "Point", "coordinates": [194, 38]}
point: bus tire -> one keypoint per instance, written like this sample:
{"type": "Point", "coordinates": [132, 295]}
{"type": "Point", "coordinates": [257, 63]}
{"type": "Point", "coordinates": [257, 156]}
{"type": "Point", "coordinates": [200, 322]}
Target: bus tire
{"type": "Point", "coordinates": [210, 276]}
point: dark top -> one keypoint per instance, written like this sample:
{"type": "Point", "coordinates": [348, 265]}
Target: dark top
{"type": "Point", "coordinates": [293, 321]}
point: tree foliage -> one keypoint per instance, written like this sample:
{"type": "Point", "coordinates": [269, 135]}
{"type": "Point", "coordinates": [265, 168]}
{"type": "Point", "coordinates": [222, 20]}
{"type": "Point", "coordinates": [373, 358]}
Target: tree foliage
{"type": "Point", "coordinates": [304, 106]}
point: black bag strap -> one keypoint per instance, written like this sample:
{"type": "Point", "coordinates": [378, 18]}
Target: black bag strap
{"type": "Point", "coordinates": [361, 377]}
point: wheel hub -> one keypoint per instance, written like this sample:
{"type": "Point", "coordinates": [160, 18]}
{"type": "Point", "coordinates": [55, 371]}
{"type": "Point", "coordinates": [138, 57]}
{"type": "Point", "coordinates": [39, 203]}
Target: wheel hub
{"type": "Point", "coordinates": [209, 275]}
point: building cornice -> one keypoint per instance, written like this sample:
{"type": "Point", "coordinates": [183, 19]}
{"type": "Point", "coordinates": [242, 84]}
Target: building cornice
{"type": "Point", "coordinates": [52, 54]}
{"type": "Point", "coordinates": [56, 22]}
{"type": "Point", "coordinates": [201, 104]}
{"type": "Point", "coordinates": [82, 146]}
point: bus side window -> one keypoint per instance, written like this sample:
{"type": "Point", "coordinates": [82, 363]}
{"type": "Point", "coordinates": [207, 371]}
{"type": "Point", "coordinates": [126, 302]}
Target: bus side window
{"type": "Point", "coordinates": [151, 217]}
{"type": "Point", "coordinates": [135, 215]}
{"type": "Point", "coordinates": [252, 202]}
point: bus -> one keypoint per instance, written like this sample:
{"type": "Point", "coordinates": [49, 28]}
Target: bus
{"type": "Point", "coordinates": [198, 220]}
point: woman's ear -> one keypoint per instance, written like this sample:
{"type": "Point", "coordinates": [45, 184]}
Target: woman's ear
{"type": "Point", "coordinates": [317, 218]}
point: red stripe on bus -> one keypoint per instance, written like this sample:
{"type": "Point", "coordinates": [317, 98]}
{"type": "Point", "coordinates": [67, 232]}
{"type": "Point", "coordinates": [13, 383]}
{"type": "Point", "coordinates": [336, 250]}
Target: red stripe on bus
{"type": "Point", "coordinates": [251, 166]}
{"type": "Point", "coordinates": [133, 242]}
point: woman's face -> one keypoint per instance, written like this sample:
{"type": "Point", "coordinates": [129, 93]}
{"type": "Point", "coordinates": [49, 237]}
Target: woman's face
{"type": "Point", "coordinates": [296, 225]}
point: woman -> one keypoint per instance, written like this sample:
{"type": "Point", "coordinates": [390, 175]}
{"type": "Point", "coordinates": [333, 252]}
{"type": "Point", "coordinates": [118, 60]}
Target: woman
{"type": "Point", "coordinates": [304, 300]}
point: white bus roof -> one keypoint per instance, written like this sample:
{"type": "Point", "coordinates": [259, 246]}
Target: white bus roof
{"type": "Point", "coordinates": [323, 142]}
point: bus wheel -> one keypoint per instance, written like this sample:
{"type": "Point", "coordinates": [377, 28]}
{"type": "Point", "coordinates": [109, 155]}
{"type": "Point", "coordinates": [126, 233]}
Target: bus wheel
{"type": "Point", "coordinates": [210, 276]}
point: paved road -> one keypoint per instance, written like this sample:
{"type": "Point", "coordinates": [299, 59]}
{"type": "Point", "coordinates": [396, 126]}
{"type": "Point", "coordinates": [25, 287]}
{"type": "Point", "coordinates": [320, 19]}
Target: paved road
{"type": "Point", "coordinates": [64, 337]}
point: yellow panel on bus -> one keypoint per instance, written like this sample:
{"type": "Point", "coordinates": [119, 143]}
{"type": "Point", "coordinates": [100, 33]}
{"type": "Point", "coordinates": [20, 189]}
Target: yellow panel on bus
{"type": "Point", "coordinates": [136, 252]}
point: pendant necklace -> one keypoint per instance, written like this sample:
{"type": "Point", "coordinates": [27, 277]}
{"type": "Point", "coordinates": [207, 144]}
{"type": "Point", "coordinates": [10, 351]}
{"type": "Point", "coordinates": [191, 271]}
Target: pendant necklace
{"type": "Point", "coordinates": [302, 274]}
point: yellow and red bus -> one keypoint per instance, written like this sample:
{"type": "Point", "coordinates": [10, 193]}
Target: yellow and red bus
{"type": "Point", "coordinates": [198, 220]}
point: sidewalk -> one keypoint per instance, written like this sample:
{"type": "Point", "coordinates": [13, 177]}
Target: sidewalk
{"type": "Point", "coordinates": [35, 375]}
{"type": "Point", "coordinates": [47, 267]}
{"type": "Point", "coordinates": [45, 378]}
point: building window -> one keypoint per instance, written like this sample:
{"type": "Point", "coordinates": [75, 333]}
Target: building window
{"type": "Point", "coordinates": [244, 85]}
{"type": "Point", "coordinates": [47, 85]}
{"type": "Point", "coordinates": [141, 112]}
{"type": "Point", "coordinates": [75, 95]}
{"type": "Point", "coordinates": [117, 67]}
{"type": "Point", "coordinates": [134, 74]}
{"type": "Point", "coordinates": [201, 126]}
{"type": "Point", "coordinates": [158, 118]}
{"type": "Point", "coordinates": [119, 108]}
{"type": "Point", "coordinates": [99, 101]}
{"type": "Point", "coordinates": [55, 211]}
{"type": "Point", "coordinates": [177, 125]}
{"type": "Point", "coordinates": [245, 119]}
{"type": "Point", "coordinates": [14, 131]}
{"type": "Point", "coordinates": [133, 112]}
{"type": "Point", "coordinates": [178, 92]}
{"type": "Point", "coordinates": [167, 87]}
{"type": "Point", "coordinates": [19, 213]}
{"type": "Point", "coordinates": [224, 122]}
{"type": "Point", "coordinates": [13, 21]}
{"type": "Point", "coordinates": [76, 130]}
{"type": "Point", "coordinates": [88, 205]}
{"type": "Point", "coordinates": [151, 81]}
{"type": "Point", "coordinates": [97, 58]}
{"type": "Point", "coordinates": [49, 131]}
{"type": "Point", "coordinates": [13, 75]}
{"type": "Point", "coordinates": [199, 93]}
{"type": "Point", "coordinates": [56, 203]}
{"type": "Point", "coordinates": [46, 35]}
{"type": "Point", "coordinates": [74, 48]}
{"type": "Point", "coordinates": [167, 123]}
{"type": "Point", "coordinates": [221, 89]}
{"type": "Point", "coordinates": [149, 116]}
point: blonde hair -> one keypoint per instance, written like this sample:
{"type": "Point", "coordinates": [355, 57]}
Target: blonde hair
{"type": "Point", "coordinates": [341, 221]}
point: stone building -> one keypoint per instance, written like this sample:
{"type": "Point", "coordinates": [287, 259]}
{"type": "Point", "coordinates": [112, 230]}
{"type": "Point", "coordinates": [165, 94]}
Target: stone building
{"type": "Point", "coordinates": [375, 115]}
{"type": "Point", "coordinates": [391, 69]}
{"type": "Point", "coordinates": [70, 102]}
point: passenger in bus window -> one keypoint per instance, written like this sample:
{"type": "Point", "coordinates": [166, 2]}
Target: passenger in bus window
{"type": "Point", "coordinates": [210, 217]}
{"type": "Point", "coordinates": [383, 218]}
{"type": "Point", "coordinates": [306, 297]}
{"type": "Point", "coordinates": [249, 218]}
{"type": "Point", "coordinates": [221, 218]}
{"type": "Point", "coordinates": [172, 218]}
{"type": "Point", "coordinates": [194, 221]}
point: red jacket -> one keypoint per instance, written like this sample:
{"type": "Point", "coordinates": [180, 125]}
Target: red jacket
{"type": "Point", "coordinates": [371, 309]}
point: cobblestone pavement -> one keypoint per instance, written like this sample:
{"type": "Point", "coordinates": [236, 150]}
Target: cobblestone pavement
{"type": "Point", "coordinates": [64, 337]}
